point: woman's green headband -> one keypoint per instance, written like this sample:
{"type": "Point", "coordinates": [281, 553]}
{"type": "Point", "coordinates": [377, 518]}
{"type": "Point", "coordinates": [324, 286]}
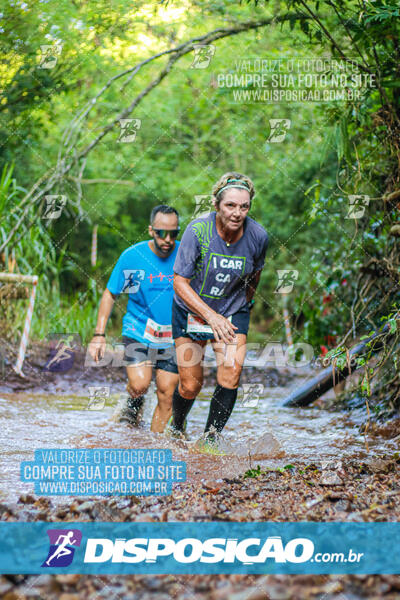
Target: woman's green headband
{"type": "Point", "coordinates": [230, 183]}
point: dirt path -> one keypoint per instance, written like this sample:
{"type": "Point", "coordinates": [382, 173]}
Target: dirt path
{"type": "Point", "coordinates": [312, 465]}
{"type": "Point", "coordinates": [355, 492]}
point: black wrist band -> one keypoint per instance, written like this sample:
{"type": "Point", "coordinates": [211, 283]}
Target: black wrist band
{"type": "Point", "coordinates": [99, 334]}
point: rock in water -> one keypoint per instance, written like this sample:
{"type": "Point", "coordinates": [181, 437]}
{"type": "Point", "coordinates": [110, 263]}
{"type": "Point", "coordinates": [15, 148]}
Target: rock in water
{"type": "Point", "coordinates": [330, 478]}
{"type": "Point", "coordinates": [266, 446]}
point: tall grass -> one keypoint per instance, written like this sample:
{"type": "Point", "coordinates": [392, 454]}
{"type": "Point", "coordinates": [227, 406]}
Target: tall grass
{"type": "Point", "coordinates": [34, 253]}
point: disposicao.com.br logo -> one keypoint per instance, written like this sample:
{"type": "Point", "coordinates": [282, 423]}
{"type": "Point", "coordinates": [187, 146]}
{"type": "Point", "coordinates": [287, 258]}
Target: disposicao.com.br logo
{"type": "Point", "coordinates": [188, 550]}
{"type": "Point", "coordinates": [191, 550]}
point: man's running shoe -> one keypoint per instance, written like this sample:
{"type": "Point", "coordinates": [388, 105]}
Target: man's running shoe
{"type": "Point", "coordinates": [132, 412]}
{"type": "Point", "coordinates": [170, 430]}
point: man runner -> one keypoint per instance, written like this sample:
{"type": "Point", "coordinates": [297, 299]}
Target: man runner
{"type": "Point", "coordinates": [145, 272]}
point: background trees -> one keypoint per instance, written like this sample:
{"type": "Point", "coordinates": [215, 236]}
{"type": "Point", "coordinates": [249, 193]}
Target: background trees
{"type": "Point", "coordinates": [191, 131]}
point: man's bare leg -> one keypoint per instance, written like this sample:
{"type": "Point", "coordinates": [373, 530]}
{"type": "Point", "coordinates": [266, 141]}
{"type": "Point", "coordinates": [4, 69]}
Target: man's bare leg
{"type": "Point", "coordinates": [166, 383]}
{"type": "Point", "coordinates": [139, 378]}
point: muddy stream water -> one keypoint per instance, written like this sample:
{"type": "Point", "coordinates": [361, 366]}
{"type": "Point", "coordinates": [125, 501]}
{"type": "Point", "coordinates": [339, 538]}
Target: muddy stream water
{"type": "Point", "coordinates": [267, 434]}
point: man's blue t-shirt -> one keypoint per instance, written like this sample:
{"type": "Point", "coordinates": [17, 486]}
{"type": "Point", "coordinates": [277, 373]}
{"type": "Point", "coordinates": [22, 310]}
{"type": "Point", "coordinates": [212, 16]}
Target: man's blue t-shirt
{"type": "Point", "coordinates": [148, 281]}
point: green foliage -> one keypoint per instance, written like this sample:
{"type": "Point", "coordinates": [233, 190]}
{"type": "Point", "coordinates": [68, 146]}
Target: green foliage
{"type": "Point", "coordinates": [285, 468]}
{"type": "Point", "coordinates": [36, 254]}
{"type": "Point", "coordinates": [191, 132]}
{"type": "Point", "coordinates": [253, 472]}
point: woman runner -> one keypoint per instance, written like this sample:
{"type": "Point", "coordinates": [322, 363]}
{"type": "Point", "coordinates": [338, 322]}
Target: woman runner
{"type": "Point", "coordinates": [216, 272]}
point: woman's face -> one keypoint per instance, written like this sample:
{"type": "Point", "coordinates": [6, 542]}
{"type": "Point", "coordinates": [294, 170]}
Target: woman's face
{"type": "Point", "coordinates": [233, 208]}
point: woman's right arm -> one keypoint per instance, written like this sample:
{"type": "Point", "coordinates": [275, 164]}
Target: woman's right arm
{"type": "Point", "coordinates": [223, 329]}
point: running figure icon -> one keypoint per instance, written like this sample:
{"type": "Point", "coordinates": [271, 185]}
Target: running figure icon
{"type": "Point", "coordinates": [62, 349]}
{"type": "Point", "coordinates": [62, 549]}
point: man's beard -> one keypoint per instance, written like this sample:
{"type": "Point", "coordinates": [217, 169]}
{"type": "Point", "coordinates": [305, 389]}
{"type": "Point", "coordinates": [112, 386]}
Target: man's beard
{"type": "Point", "coordinates": [160, 250]}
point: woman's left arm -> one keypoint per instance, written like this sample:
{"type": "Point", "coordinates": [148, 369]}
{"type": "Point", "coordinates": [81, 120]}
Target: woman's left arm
{"type": "Point", "coordinates": [254, 277]}
{"type": "Point", "coordinates": [251, 284]}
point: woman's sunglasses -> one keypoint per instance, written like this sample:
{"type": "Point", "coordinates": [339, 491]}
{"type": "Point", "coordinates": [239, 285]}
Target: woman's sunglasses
{"type": "Point", "coordinates": [162, 233]}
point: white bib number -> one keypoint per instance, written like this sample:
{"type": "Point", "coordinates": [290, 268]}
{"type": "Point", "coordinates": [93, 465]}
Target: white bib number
{"type": "Point", "coordinates": [196, 324]}
{"type": "Point", "coordinates": [154, 332]}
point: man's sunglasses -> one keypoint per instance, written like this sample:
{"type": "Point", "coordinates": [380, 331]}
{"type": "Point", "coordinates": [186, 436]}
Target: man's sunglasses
{"type": "Point", "coordinates": [162, 233]}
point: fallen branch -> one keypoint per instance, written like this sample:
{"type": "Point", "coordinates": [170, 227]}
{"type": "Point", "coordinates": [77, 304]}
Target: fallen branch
{"type": "Point", "coordinates": [325, 380]}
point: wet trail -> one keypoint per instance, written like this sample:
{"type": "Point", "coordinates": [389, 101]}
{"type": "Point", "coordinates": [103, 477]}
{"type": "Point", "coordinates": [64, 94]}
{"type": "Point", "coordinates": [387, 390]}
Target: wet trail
{"type": "Point", "coordinates": [267, 434]}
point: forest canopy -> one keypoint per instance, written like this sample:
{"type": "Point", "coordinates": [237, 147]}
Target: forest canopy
{"type": "Point", "coordinates": [76, 77]}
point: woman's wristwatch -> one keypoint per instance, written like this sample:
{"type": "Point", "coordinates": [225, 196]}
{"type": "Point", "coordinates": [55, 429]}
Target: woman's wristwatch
{"type": "Point", "coordinates": [99, 335]}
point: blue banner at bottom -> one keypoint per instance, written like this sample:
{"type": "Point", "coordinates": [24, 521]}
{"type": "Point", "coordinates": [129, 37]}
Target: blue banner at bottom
{"type": "Point", "coordinates": [200, 548]}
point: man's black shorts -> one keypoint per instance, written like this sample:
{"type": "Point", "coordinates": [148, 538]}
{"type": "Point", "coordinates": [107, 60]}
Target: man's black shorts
{"type": "Point", "coordinates": [180, 318]}
{"type": "Point", "coordinates": [160, 358]}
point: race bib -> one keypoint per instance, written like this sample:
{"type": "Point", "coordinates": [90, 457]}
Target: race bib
{"type": "Point", "coordinates": [196, 324]}
{"type": "Point", "coordinates": [154, 332]}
